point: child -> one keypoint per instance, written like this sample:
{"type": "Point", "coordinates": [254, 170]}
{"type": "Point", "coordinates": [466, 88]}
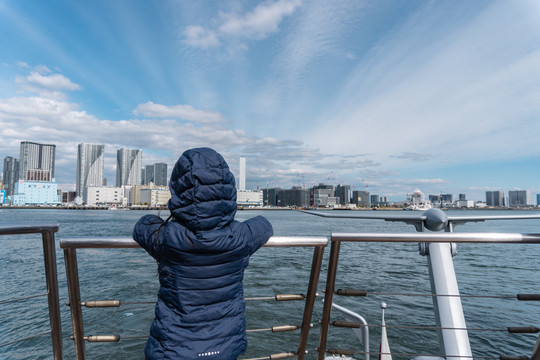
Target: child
{"type": "Point", "coordinates": [201, 253]}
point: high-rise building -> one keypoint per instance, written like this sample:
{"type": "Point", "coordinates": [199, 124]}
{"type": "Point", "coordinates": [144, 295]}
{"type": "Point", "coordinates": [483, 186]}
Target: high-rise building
{"type": "Point", "coordinates": [147, 175]}
{"type": "Point", "coordinates": [34, 157]}
{"type": "Point", "coordinates": [342, 192]}
{"type": "Point", "coordinates": [160, 174]}
{"type": "Point", "coordinates": [495, 198]}
{"type": "Point", "coordinates": [11, 174]}
{"type": "Point", "coordinates": [90, 164]}
{"type": "Point", "coordinates": [361, 198]}
{"type": "Point", "coordinates": [242, 177]}
{"type": "Point", "coordinates": [518, 198]}
{"type": "Point", "coordinates": [128, 167]}
{"type": "Point", "coordinates": [156, 174]}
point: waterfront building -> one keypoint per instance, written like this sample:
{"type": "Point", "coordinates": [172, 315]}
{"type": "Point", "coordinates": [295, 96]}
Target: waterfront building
{"type": "Point", "coordinates": [10, 174]}
{"type": "Point", "coordinates": [361, 198]}
{"type": "Point", "coordinates": [519, 198]}
{"type": "Point", "coordinates": [323, 196]}
{"type": "Point", "coordinates": [434, 199]}
{"type": "Point", "coordinates": [249, 198]}
{"type": "Point", "coordinates": [447, 198]}
{"type": "Point", "coordinates": [155, 196]}
{"type": "Point", "coordinates": [3, 197]}
{"type": "Point", "coordinates": [29, 192]}
{"type": "Point", "coordinates": [343, 193]}
{"type": "Point", "coordinates": [270, 196]}
{"type": "Point", "coordinates": [537, 199]}
{"type": "Point", "coordinates": [36, 161]}
{"type": "Point", "coordinates": [104, 196]}
{"type": "Point", "coordinates": [90, 164]}
{"type": "Point", "coordinates": [68, 197]}
{"type": "Point", "coordinates": [495, 198]}
{"type": "Point", "coordinates": [128, 167]}
{"type": "Point", "coordinates": [464, 203]}
{"type": "Point", "coordinates": [462, 197]}
{"type": "Point", "coordinates": [374, 199]}
{"type": "Point", "coordinates": [155, 174]}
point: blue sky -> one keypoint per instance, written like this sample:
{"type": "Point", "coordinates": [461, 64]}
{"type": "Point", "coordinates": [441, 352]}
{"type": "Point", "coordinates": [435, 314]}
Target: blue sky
{"type": "Point", "coordinates": [443, 96]}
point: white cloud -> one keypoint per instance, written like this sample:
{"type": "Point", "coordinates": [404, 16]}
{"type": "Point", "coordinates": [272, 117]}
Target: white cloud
{"type": "Point", "coordinates": [198, 36]}
{"type": "Point", "coordinates": [184, 112]}
{"type": "Point", "coordinates": [54, 82]}
{"type": "Point", "coordinates": [259, 23]}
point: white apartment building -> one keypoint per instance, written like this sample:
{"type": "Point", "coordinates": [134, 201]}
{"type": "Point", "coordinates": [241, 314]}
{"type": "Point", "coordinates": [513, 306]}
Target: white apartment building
{"type": "Point", "coordinates": [249, 198]}
{"type": "Point", "coordinates": [102, 195]}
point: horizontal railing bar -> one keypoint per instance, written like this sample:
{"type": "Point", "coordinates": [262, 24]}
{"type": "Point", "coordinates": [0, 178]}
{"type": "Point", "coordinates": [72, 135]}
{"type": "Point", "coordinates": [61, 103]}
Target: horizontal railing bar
{"type": "Point", "coordinates": [22, 299]}
{"type": "Point", "coordinates": [336, 351]}
{"type": "Point", "coordinates": [366, 293]}
{"type": "Point", "coordinates": [425, 327]}
{"type": "Point", "coordinates": [25, 338]}
{"type": "Point", "coordinates": [28, 228]}
{"type": "Point", "coordinates": [110, 242]}
{"type": "Point", "coordinates": [503, 238]}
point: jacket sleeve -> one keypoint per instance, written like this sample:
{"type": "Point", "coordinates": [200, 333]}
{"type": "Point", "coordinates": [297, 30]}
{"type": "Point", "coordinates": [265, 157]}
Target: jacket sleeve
{"type": "Point", "coordinates": [145, 231]}
{"type": "Point", "coordinates": [260, 230]}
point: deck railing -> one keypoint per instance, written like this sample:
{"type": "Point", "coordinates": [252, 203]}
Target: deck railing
{"type": "Point", "coordinates": [71, 245]}
{"type": "Point", "coordinates": [433, 240]}
{"type": "Point", "coordinates": [318, 243]}
{"type": "Point", "coordinates": [47, 231]}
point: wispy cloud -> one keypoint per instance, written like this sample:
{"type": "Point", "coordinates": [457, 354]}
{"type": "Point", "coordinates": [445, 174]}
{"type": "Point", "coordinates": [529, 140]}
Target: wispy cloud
{"type": "Point", "coordinates": [259, 23]}
{"type": "Point", "coordinates": [201, 37]}
{"type": "Point", "coordinates": [413, 156]}
{"type": "Point", "coordinates": [184, 112]}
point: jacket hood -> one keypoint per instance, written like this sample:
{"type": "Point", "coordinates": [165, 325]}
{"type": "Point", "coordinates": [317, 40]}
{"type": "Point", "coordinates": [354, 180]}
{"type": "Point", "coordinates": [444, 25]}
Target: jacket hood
{"type": "Point", "coordinates": [203, 190]}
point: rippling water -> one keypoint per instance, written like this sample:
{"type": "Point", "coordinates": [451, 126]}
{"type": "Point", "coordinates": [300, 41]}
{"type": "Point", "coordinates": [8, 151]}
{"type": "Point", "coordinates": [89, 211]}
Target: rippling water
{"type": "Point", "coordinates": [131, 275]}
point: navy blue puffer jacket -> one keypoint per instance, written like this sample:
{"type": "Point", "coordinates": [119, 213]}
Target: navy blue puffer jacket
{"type": "Point", "coordinates": [202, 254]}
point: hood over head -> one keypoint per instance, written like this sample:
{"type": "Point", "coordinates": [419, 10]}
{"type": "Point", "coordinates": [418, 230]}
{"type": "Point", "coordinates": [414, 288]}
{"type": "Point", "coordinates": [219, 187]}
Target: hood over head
{"type": "Point", "coordinates": [203, 190]}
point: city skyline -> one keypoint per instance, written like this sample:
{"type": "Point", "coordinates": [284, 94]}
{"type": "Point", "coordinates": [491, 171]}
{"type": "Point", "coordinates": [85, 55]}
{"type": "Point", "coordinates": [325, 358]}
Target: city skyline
{"type": "Point", "coordinates": [441, 96]}
{"type": "Point", "coordinates": [90, 160]}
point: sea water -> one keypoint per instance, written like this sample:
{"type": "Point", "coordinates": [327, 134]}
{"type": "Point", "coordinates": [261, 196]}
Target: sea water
{"type": "Point", "coordinates": [130, 275]}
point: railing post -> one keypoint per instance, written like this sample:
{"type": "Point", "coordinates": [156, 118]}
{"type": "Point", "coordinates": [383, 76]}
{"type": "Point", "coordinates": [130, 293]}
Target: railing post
{"type": "Point", "coordinates": [51, 277]}
{"type": "Point", "coordinates": [448, 309]}
{"type": "Point", "coordinates": [328, 296]}
{"type": "Point", "coordinates": [310, 300]}
{"type": "Point", "coordinates": [70, 258]}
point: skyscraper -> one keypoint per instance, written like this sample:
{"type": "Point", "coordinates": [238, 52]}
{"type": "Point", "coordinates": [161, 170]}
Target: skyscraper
{"type": "Point", "coordinates": [156, 174]}
{"type": "Point", "coordinates": [160, 174]}
{"type": "Point", "coordinates": [36, 161]}
{"type": "Point", "coordinates": [519, 198]}
{"type": "Point", "coordinates": [495, 198]}
{"type": "Point", "coordinates": [242, 177]}
{"type": "Point", "coordinates": [128, 167]}
{"type": "Point", "coordinates": [90, 163]}
{"type": "Point", "coordinates": [11, 174]}
{"type": "Point", "coordinates": [148, 175]}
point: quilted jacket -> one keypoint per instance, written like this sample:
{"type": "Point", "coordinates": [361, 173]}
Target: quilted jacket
{"type": "Point", "coordinates": [201, 255]}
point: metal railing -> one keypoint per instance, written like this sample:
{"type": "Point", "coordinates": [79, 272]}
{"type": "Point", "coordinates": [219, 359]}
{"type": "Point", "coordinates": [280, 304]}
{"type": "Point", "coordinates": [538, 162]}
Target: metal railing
{"type": "Point", "coordinates": [47, 231]}
{"type": "Point", "coordinates": [430, 239]}
{"type": "Point", "coordinates": [70, 255]}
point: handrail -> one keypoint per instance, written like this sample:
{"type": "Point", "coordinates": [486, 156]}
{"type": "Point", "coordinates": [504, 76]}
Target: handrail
{"type": "Point", "coordinates": [491, 238]}
{"type": "Point", "coordinates": [435, 239]}
{"type": "Point", "coordinates": [125, 242]}
{"type": "Point", "coordinates": [47, 231]}
{"type": "Point", "coordinates": [72, 244]}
